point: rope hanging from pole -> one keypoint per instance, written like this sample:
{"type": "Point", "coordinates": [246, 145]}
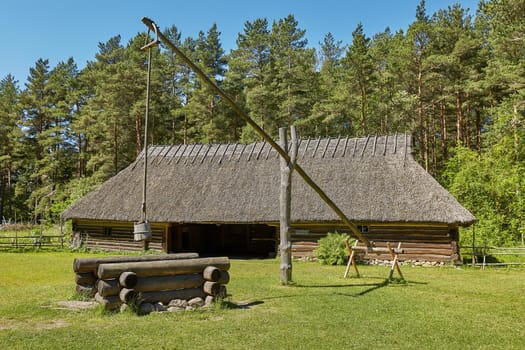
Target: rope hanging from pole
{"type": "Point", "coordinates": [142, 229]}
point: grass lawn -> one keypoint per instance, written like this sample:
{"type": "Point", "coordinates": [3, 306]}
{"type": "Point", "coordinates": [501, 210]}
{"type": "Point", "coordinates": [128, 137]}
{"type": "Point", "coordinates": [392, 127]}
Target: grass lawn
{"type": "Point", "coordinates": [439, 308]}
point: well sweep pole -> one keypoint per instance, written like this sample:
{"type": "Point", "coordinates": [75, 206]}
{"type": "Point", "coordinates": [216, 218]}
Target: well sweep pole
{"type": "Point", "coordinates": [353, 229]}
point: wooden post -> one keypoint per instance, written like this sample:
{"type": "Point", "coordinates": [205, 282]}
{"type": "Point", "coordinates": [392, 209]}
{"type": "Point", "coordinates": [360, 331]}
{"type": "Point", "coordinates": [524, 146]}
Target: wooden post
{"type": "Point", "coordinates": [395, 264]}
{"type": "Point", "coordinates": [473, 246]}
{"type": "Point", "coordinates": [285, 246]}
{"type": "Point", "coordinates": [351, 259]}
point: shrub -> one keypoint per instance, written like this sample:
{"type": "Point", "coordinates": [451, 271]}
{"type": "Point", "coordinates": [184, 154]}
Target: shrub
{"type": "Point", "coordinates": [332, 249]}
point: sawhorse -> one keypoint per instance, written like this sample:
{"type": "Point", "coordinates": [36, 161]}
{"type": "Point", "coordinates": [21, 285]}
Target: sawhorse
{"type": "Point", "coordinates": [394, 254]}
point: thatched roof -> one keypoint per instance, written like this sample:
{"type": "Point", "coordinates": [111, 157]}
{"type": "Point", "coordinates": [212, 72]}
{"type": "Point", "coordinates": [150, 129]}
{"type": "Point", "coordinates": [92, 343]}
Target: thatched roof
{"type": "Point", "coordinates": [373, 179]}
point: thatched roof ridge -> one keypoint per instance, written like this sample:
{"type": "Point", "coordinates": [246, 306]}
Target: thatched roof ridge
{"type": "Point", "coordinates": [195, 154]}
{"type": "Point", "coordinates": [371, 179]}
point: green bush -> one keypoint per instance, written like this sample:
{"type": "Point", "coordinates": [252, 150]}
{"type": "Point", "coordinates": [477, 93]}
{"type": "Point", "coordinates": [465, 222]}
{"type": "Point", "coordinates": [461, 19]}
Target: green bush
{"type": "Point", "coordinates": [332, 249]}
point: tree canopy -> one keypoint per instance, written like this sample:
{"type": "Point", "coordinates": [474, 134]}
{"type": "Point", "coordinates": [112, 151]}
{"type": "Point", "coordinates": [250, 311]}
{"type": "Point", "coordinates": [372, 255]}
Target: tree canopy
{"type": "Point", "coordinates": [454, 80]}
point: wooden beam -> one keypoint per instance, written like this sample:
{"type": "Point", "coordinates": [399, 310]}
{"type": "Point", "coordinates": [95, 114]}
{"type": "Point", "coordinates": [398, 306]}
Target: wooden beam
{"type": "Point", "coordinates": [233, 105]}
{"type": "Point", "coordinates": [162, 267]}
{"type": "Point", "coordinates": [285, 200]}
{"type": "Point", "coordinates": [395, 264]}
{"type": "Point", "coordinates": [351, 259]}
{"type": "Point", "coordinates": [91, 264]}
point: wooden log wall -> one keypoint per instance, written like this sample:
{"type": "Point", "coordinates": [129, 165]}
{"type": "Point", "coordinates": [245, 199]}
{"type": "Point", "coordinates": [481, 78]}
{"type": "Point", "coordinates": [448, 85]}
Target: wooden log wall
{"type": "Point", "coordinates": [155, 285]}
{"type": "Point", "coordinates": [116, 235]}
{"type": "Point", "coordinates": [432, 242]}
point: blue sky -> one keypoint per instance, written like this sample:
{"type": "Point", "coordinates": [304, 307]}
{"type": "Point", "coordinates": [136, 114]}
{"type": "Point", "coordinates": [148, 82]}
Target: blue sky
{"type": "Point", "coordinates": [57, 30]}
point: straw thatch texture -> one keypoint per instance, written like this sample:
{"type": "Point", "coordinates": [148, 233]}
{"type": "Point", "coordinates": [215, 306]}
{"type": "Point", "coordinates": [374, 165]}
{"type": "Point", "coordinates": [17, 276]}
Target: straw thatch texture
{"type": "Point", "coordinates": [373, 179]}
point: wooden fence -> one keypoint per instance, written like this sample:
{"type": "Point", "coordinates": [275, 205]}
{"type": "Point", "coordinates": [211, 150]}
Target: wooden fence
{"type": "Point", "coordinates": [485, 256]}
{"type": "Point", "coordinates": [34, 241]}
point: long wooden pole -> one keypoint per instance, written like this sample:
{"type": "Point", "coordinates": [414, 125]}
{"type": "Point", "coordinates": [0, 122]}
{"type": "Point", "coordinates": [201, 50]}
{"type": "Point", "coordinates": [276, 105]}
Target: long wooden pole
{"type": "Point", "coordinates": [353, 228]}
{"type": "Point", "coordinates": [285, 244]}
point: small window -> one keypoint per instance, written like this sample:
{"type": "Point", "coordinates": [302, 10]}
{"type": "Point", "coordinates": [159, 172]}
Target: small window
{"type": "Point", "coordinates": [107, 231]}
{"type": "Point", "coordinates": [362, 228]}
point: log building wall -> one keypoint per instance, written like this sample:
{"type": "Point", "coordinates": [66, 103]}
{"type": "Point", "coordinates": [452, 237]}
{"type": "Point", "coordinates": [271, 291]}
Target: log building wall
{"type": "Point", "coordinates": [421, 242]}
{"type": "Point", "coordinates": [116, 235]}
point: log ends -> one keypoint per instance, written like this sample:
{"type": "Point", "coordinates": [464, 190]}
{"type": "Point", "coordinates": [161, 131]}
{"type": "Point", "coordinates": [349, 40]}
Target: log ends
{"type": "Point", "coordinates": [128, 279]}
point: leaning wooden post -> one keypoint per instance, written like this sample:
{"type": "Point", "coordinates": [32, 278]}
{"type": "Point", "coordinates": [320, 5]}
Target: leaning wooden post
{"type": "Point", "coordinates": [395, 263]}
{"type": "Point", "coordinates": [351, 259]}
{"type": "Point", "coordinates": [285, 245]}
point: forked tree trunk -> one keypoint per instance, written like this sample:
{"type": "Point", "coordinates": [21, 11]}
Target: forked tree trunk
{"type": "Point", "coordinates": [285, 245]}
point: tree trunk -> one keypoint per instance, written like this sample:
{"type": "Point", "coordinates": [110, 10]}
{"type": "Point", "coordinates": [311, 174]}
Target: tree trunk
{"type": "Point", "coordinates": [478, 131]}
{"type": "Point", "coordinates": [420, 103]}
{"type": "Point", "coordinates": [285, 199]}
{"type": "Point", "coordinates": [466, 122]}
{"type": "Point", "coordinates": [185, 128]}
{"type": "Point", "coordinates": [85, 278]}
{"type": "Point", "coordinates": [364, 125]}
{"type": "Point", "coordinates": [211, 273]}
{"type": "Point", "coordinates": [138, 134]}
{"type": "Point", "coordinates": [128, 279]}
{"type": "Point", "coordinates": [106, 288]}
{"type": "Point", "coordinates": [162, 267]}
{"type": "Point", "coordinates": [159, 283]}
{"type": "Point", "coordinates": [459, 118]}
{"type": "Point", "coordinates": [115, 148]}
{"type": "Point", "coordinates": [442, 110]}
{"type": "Point", "coordinates": [91, 264]}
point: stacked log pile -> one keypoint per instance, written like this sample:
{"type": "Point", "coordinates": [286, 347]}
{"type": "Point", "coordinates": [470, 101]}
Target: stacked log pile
{"type": "Point", "coordinates": [86, 268]}
{"type": "Point", "coordinates": [168, 282]}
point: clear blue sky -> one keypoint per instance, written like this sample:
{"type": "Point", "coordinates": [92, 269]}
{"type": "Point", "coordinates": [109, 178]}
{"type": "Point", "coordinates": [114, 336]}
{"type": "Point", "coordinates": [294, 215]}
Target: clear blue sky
{"type": "Point", "coordinates": [57, 30]}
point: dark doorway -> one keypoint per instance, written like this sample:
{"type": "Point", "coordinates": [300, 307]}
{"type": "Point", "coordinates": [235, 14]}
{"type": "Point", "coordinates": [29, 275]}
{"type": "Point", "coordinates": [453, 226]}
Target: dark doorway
{"type": "Point", "coordinates": [248, 240]}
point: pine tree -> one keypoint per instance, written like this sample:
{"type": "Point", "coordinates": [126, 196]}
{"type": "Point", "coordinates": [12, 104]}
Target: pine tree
{"type": "Point", "coordinates": [293, 77]}
{"type": "Point", "coordinates": [329, 116]}
{"type": "Point", "coordinates": [10, 135]}
{"type": "Point", "coordinates": [360, 77]}
{"type": "Point", "coordinates": [249, 70]}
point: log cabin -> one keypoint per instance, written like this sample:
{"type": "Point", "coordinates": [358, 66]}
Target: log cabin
{"type": "Point", "coordinates": [223, 199]}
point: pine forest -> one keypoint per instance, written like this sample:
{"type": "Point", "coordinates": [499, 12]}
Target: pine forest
{"type": "Point", "coordinates": [454, 80]}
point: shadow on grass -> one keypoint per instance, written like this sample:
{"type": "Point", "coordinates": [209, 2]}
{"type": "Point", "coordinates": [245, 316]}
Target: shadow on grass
{"type": "Point", "coordinates": [372, 286]}
{"type": "Point", "coordinates": [231, 305]}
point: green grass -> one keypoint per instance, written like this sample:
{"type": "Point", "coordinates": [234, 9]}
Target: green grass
{"type": "Point", "coordinates": [439, 308]}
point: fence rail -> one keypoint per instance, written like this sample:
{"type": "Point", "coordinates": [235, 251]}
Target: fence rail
{"type": "Point", "coordinates": [482, 256]}
{"type": "Point", "coordinates": [33, 241]}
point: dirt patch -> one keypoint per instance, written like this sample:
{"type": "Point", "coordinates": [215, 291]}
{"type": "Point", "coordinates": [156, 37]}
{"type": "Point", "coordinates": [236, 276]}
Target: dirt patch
{"type": "Point", "coordinates": [51, 324]}
{"type": "Point", "coordinates": [76, 305]}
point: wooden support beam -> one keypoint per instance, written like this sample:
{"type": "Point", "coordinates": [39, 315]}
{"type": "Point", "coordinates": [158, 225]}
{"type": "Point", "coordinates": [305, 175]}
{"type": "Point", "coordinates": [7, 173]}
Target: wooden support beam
{"type": "Point", "coordinates": [285, 200]}
{"type": "Point", "coordinates": [230, 101]}
{"type": "Point", "coordinates": [351, 259]}
{"type": "Point", "coordinates": [377, 250]}
{"type": "Point", "coordinates": [395, 264]}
